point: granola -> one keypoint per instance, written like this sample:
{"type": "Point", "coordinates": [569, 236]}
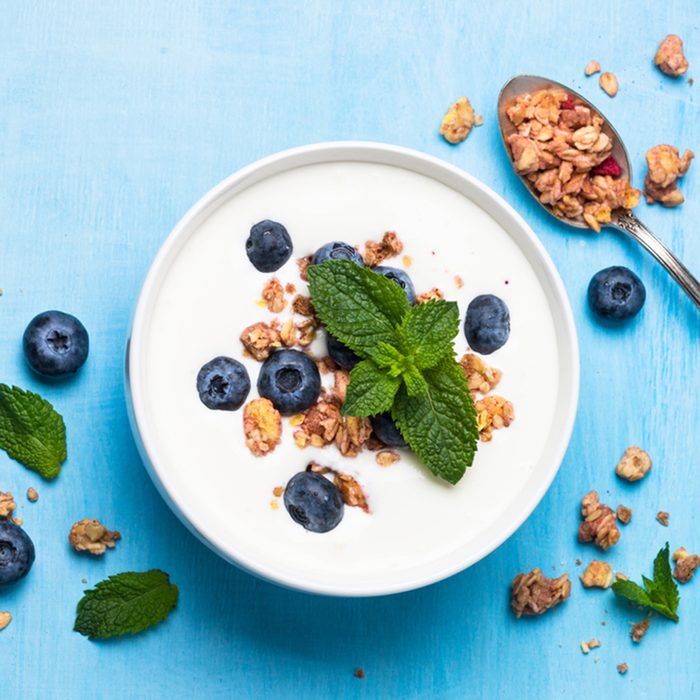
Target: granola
{"type": "Point", "coordinates": [376, 252]}
{"type": "Point", "coordinates": [319, 425]}
{"type": "Point", "coordinates": [480, 377]}
{"type": "Point", "coordinates": [32, 494]}
{"type": "Point", "coordinates": [634, 465]}
{"type": "Point", "coordinates": [351, 491]}
{"type": "Point", "coordinates": [534, 594]}
{"type": "Point", "coordinates": [608, 83]}
{"type": "Point", "coordinates": [7, 505]}
{"type": "Point", "coordinates": [307, 331]}
{"type": "Point", "coordinates": [303, 306]}
{"type": "Point", "coordinates": [640, 629]}
{"type": "Point", "coordinates": [262, 426]}
{"type": "Point", "coordinates": [587, 646]}
{"type": "Point", "coordinates": [5, 619]}
{"type": "Point", "coordinates": [622, 668]}
{"type": "Point", "coordinates": [458, 121]}
{"type": "Point", "coordinates": [493, 413]}
{"type": "Point", "coordinates": [90, 535]}
{"type": "Point", "coordinates": [666, 166]}
{"type": "Point", "coordinates": [592, 67]}
{"type": "Point", "coordinates": [260, 340]}
{"type": "Point", "coordinates": [385, 458]}
{"type": "Point", "coordinates": [433, 293]}
{"type": "Point", "coordinates": [303, 265]}
{"type": "Point", "coordinates": [685, 565]}
{"type": "Point", "coordinates": [599, 522]}
{"type": "Point", "coordinates": [273, 295]}
{"type": "Point", "coordinates": [341, 379]}
{"type": "Point", "coordinates": [353, 433]}
{"type": "Point", "coordinates": [662, 516]}
{"type": "Point", "coordinates": [598, 574]}
{"type": "Point", "coordinates": [669, 56]}
{"type": "Point", "coordinates": [624, 514]}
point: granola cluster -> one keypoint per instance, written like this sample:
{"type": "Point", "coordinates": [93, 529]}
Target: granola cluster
{"type": "Point", "coordinates": [7, 504]}
{"type": "Point", "coordinates": [350, 489]}
{"type": "Point", "coordinates": [599, 522]}
{"type": "Point", "coordinates": [598, 574]}
{"type": "Point", "coordinates": [376, 252]}
{"type": "Point", "coordinates": [90, 535]}
{"type": "Point", "coordinates": [686, 564]}
{"type": "Point", "coordinates": [669, 56]}
{"type": "Point", "coordinates": [262, 426]}
{"type": "Point", "coordinates": [534, 594]}
{"type": "Point", "coordinates": [634, 465]}
{"type": "Point", "coordinates": [458, 121]}
{"type": "Point", "coordinates": [666, 166]}
{"type": "Point", "coordinates": [273, 295]}
{"type": "Point", "coordinates": [561, 149]}
{"type": "Point", "coordinates": [431, 294]}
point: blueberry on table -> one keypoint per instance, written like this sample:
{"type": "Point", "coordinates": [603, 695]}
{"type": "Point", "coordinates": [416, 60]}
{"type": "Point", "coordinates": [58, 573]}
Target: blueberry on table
{"type": "Point", "coordinates": [268, 246]}
{"type": "Point", "coordinates": [313, 501]}
{"type": "Point", "coordinates": [291, 380]}
{"type": "Point", "coordinates": [487, 324]}
{"type": "Point", "coordinates": [385, 429]}
{"type": "Point", "coordinates": [341, 354]}
{"type": "Point", "coordinates": [55, 344]}
{"type": "Point", "coordinates": [337, 250]}
{"type": "Point", "coordinates": [398, 277]}
{"type": "Point", "coordinates": [223, 384]}
{"type": "Point", "coordinates": [16, 553]}
{"type": "Point", "coordinates": [616, 293]}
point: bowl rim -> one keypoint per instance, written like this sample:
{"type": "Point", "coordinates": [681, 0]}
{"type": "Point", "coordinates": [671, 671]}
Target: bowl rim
{"type": "Point", "coordinates": [380, 153]}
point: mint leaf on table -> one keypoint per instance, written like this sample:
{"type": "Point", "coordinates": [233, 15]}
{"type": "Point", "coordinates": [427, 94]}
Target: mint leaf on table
{"type": "Point", "coordinates": [31, 431]}
{"type": "Point", "coordinates": [428, 330]}
{"type": "Point", "coordinates": [126, 603]}
{"type": "Point", "coordinates": [370, 391]}
{"type": "Point", "coordinates": [659, 594]}
{"type": "Point", "coordinates": [440, 427]}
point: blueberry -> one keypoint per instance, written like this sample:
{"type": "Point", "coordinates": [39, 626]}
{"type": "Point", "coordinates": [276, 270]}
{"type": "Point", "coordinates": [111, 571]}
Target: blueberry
{"type": "Point", "coordinates": [16, 553]}
{"type": "Point", "coordinates": [269, 246]}
{"type": "Point", "coordinates": [341, 354]}
{"type": "Point", "coordinates": [290, 379]}
{"type": "Point", "coordinates": [385, 429]}
{"type": "Point", "coordinates": [616, 293]}
{"type": "Point", "coordinates": [398, 277]}
{"type": "Point", "coordinates": [487, 324]}
{"type": "Point", "coordinates": [55, 344]}
{"type": "Point", "coordinates": [313, 502]}
{"type": "Point", "coordinates": [337, 250]}
{"type": "Point", "coordinates": [223, 384]}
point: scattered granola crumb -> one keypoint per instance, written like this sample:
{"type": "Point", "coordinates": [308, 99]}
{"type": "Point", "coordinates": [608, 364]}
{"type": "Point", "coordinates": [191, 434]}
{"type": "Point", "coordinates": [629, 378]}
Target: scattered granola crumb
{"type": "Point", "coordinates": [90, 535]}
{"type": "Point", "coordinates": [307, 332]}
{"type": "Point", "coordinates": [640, 629]}
{"type": "Point", "coordinates": [19, 520]}
{"type": "Point", "coordinates": [274, 504]}
{"type": "Point", "coordinates": [7, 505]}
{"type": "Point", "coordinates": [608, 83]}
{"type": "Point", "coordinates": [458, 121]}
{"type": "Point", "coordinates": [32, 494]}
{"type": "Point", "coordinates": [480, 377]}
{"type": "Point", "coordinates": [622, 668]}
{"type": "Point", "coordinates": [459, 282]}
{"type": "Point", "coordinates": [634, 465]}
{"type": "Point", "coordinates": [303, 265]}
{"type": "Point", "coordinates": [260, 340]}
{"type": "Point", "coordinates": [351, 491]}
{"type": "Point", "coordinates": [534, 594]}
{"type": "Point", "coordinates": [385, 458]}
{"type": "Point", "coordinates": [288, 333]}
{"type": "Point", "coordinates": [433, 293]}
{"type": "Point", "coordinates": [624, 514]}
{"type": "Point", "coordinates": [341, 379]}
{"type": "Point", "coordinates": [587, 646]}
{"type": "Point", "coordinates": [377, 252]}
{"type": "Point", "coordinates": [578, 562]}
{"type": "Point", "coordinates": [319, 425]}
{"type": "Point", "coordinates": [359, 673]}
{"type": "Point", "coordinates": [273, 295]}
{"type": "Point", "coordinates": [492, 413]}
{"type": "Point", "coordinates": [302, 305]}
{"type": "Point", "coordinates": [685, 565]}
{"type": "Point", "coordinates": [665, 166]}
{"type": "Point", "coordinates": [598, 574]}
{"type": "Point", "coordinates": [262, 426]}
{"type": "Point", "coordinates": [83, 580]}
{"type": "Point", "coordinates": [353, 433]}
{"type": "Point", "coordinates": [662, 516]}
{"type": "Point", "coordinates": [278, 491]}
{"type": "Point", "coordinates": [407, 261]}
{"type": "Point", "coordinates": [669, 56]}
{"type": "Point", "coordinates": [478, 120]}
{"type": "Point", "coordinates": [290, 288]}
{"type": "Point", "coordinates": [599, 522]}
{"type": "Point", "coordinates": [592, 67]}
{"type": "Point", "coordinates": [5, 619]}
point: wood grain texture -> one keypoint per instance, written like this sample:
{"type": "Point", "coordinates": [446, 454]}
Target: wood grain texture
{"type": "Point", "coordinates": [116, 117]}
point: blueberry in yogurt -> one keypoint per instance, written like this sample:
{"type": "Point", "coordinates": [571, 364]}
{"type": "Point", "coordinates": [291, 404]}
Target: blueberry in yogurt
{"type": "Point", "coordinates": [385, 429]}
{"type": "Point", "coordinates": [616, 293]}
{"type": "Point", "coordinates": [337, 250]}
{"type": "Point", "coordinates": [291, 380]}
{"type": "Point", "coordinates": [55, 344]}
{"type": "Point", "coordinates": [223, 384]}
{"type": "Point", "coordinates": [341, 354]}
{"type": "Point", "coordinates": [313, 501]}
{"type": "Point", "coordinates": [399, 277]}
{"type": "Point", "coordinates": [16, 553]}
{"type": "Point", "coordinates": [487, 324]}
{"type": "Point", "coordinates": [268, 246]}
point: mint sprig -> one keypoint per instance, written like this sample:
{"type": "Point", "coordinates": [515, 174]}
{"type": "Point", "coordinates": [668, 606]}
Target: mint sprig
{"type": "Point", "coordinates": [31, 431]}
{"type": "Point", "coordinates": [659, 594]}
{"type": "Point", "coordinates": [126, 603]}
{"type": "Point", "coordinates": [408, 362]}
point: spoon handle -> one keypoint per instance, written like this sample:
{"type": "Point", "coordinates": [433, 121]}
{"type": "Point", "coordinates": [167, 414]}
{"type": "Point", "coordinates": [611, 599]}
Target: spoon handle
{"type": "Point", "coordinates": [626, 221]}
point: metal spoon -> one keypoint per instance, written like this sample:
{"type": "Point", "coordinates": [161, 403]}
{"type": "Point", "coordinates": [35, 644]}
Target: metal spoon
{"type": "Point", "coordinates": [622, 219]}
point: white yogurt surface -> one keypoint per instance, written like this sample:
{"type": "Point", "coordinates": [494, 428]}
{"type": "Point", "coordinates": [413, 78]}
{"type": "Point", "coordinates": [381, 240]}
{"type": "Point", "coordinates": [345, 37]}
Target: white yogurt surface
{"type": "Point", "coordinates": [209, 295]}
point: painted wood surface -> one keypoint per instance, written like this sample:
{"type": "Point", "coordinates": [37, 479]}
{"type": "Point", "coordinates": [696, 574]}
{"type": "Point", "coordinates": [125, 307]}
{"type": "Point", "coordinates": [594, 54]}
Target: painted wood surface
{"type": "Point", "coordinates": [115, 118]}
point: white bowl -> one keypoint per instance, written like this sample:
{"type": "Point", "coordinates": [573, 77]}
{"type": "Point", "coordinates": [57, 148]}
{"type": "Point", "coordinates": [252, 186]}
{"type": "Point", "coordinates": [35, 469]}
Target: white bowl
{"type": "Point", "coordinates": [215, 491]}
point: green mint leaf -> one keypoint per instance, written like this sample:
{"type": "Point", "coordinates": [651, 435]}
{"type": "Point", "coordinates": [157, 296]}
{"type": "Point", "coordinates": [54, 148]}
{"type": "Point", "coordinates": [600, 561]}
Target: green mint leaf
{"type": "Point", "coordinates": [359, 307]}
{"type": "Point", "coordinates": [414, 381]}
{"type": "Point", "coordinates": [388, 357]}
{"type": "Point", "coordinates": [440, 426]}
{"type": "Point", "coordinates": [31, 431]}
{"type": "Point", "coordinates": [428, 331]}
{"type": "Point", "coordinates": [661, 593]}
{"type": "Point", "coordinates": [371, 390]}
{"type": "Point", "coordinates": [126, 603]}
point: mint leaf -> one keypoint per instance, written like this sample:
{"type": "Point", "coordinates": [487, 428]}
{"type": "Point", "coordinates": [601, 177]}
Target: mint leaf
{"type": "Point", "coordinates": [359, 307]}
{"type": "Point", "coordinates": [660, 594]}
{"type": "Point", "coordinates": [440, 426]}
{"type": "Point", "coordinates": [31, 431]}
{"type": "Point", "coordinates": [370, 391]}
{"type": "Point", "coordinates": [125, 604]}
{"type": "Point", "coordinates": [414, 381]}
{"type": "Point", "coordinates": [427, 331]}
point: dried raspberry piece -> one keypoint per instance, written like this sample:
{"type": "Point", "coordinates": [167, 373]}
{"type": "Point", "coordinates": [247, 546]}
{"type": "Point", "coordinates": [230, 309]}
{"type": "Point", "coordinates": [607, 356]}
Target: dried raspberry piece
{"type": "Point", "coordinates": [608, 167]}
{"type": "Point", "coordinates": [568, 103]}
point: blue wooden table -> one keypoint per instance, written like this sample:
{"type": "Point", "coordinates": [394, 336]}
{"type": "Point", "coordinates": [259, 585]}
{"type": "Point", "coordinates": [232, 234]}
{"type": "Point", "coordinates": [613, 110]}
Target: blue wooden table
{"type": "Point", "coordinates": [115, 118]}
